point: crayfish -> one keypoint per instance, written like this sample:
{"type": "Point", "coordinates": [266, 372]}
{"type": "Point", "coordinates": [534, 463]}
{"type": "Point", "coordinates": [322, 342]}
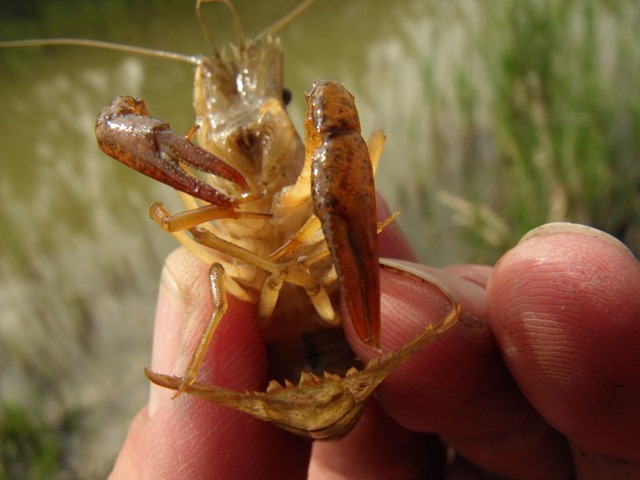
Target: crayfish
{"type": "Point", "coordinates": [270, 213]}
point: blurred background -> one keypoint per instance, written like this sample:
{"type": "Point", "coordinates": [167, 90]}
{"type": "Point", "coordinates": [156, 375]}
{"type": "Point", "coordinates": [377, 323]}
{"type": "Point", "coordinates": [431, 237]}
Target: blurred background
{"type": "Point", "coordinates": [500, 116]}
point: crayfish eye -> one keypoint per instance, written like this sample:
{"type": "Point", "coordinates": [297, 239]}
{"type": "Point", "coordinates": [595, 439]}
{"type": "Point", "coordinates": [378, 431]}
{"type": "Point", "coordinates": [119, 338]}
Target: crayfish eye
{"type": "Point", "coordinates": [286, 96]}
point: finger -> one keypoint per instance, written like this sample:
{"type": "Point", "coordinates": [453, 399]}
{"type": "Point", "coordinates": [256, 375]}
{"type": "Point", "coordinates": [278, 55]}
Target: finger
{"type": "Point", "coordinates": [566, 311]}
{"type": "Point", "coordinates": [189, 437]}
{"type": "Point", "coordinates": [379, 448]}
{"type": "Point", "coordinates": [459, 386]}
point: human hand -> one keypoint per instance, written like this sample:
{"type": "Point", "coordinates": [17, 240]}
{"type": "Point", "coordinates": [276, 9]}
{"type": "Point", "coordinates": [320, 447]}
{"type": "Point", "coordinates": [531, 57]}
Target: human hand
{"type": "Point", "coordinates": [539, 379]}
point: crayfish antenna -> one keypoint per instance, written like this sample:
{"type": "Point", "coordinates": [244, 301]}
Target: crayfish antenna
{"type": "Point", "coordinates": [237, 25]}
{"type": "Point", "coordinates": [277, 25]}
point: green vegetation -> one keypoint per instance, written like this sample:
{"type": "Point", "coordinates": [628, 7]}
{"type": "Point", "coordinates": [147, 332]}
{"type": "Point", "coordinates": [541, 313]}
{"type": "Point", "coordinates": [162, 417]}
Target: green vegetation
{"type": "Point", "coordinates": [564, 80]}
{"type": "Point", "coordinates": [32, 447]}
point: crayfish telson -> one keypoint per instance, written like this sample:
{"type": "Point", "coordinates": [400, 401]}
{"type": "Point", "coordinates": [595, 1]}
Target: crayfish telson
{"type": "Point", "coordinates": [276, 215]}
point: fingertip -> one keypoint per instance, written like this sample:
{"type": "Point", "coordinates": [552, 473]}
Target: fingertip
{"type": "Point", "coordinates": [181, 309]}
{"type": "Point", "coordinates": [564, 306]}
{"type": "Point", "coordinates": [578, 229]}
{"type": "Point", "coordinates": [183, 293]}
{"type": "Point", "coordinates": [236, 353]}
{"type": "Point", "coordinates": [448, 372]}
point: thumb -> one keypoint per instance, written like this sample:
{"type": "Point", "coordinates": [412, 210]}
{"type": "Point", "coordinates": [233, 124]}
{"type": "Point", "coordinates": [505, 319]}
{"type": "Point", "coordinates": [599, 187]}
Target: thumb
{"type": "Point", "coordinates": [189, 437]}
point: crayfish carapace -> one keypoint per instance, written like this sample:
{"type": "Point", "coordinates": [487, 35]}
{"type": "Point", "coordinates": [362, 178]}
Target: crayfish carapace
{"type": "Point", "coordinates": [273, 214]}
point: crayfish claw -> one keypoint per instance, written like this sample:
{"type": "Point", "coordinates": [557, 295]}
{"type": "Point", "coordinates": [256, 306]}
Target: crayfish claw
{"type": "Point", "coordinates": [345, 202]}
{"type": "Point", "coordinates": [127, 133]}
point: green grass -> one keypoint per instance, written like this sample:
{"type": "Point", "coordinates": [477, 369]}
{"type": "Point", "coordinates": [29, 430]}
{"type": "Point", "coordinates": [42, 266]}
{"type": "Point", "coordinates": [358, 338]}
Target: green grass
{"type": "Point", "coordinates": [565, 120]}
{"type": "Point", "coordinates": [32, 447]}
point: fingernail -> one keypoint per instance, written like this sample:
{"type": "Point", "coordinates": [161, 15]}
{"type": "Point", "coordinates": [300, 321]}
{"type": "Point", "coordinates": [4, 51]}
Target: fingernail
{"type": "Point", "coordinates": [421, 271]}
{"type": "Point", "coordinates": [566, 227]}
{"type": "Point", "coordinates": [454, 287]}
{"type": "Point", "coordinates": [451, 285]}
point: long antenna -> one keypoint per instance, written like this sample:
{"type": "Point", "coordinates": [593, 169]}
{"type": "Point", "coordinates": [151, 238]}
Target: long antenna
{"type": "Point", "coordinates": [278, 24]}
{"type": "Point", "coordinates": [119, 47]}
{"type": "Point", "coordinates": [161, 54]}
{"type": "Point", "coordinates": [237, 25]}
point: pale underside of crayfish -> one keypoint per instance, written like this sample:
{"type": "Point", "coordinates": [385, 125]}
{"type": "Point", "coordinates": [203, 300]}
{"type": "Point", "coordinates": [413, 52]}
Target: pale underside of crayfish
{"type": "Point", "coordinates": [269, 212]}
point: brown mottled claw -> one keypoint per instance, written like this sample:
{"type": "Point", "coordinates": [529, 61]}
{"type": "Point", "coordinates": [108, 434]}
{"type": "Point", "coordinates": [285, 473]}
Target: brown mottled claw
{"type": "Point", "coordinates": [126, 132]}
{"type": "Point", "coordinates": [344, 200]}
